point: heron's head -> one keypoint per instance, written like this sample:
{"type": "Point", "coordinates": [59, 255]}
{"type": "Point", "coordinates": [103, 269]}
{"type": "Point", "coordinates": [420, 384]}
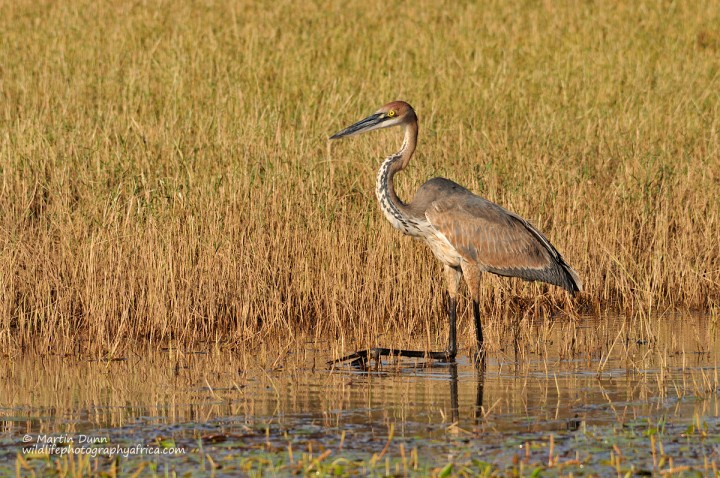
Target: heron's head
{"type": "Point", "coordinates": [392, 114]}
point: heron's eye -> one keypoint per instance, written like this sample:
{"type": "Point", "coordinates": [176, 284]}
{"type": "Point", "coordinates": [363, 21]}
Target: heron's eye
{"type": "Point", "coordinates": [391, 113]}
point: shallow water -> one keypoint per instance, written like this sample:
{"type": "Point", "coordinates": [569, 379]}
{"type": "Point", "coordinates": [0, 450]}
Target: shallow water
{"type": "Point", "coordinates": [622, 383]}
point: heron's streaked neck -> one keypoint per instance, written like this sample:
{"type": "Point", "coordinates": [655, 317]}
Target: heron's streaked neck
{"type": "Point", "coordinates": [392, 206]}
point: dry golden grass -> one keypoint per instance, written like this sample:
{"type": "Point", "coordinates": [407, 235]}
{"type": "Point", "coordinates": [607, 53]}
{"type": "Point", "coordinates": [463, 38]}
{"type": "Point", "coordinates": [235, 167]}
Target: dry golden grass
{"type": "Point", "coordinates": [165, 172]}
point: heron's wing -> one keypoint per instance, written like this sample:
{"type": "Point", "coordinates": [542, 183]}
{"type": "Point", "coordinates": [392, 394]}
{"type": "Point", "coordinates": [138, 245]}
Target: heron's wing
{"type": "Point", "coordinates": [499, 241]}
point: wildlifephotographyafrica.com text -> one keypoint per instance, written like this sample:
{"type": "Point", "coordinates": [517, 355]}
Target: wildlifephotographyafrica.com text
{"type": "Point", "coordinates": [90, 445]}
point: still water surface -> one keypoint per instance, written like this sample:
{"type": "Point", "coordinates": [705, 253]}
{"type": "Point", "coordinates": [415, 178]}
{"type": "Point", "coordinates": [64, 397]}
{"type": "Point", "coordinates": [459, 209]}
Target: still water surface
{"type": "Point", "coordinates": [616, 378]}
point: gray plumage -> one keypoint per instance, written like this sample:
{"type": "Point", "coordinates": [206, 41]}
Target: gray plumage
{"type": "Point", "coordinates": [498, 240]}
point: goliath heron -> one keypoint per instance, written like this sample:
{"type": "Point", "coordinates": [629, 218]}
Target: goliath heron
{"type": "Point", "coordinates": [468, 234]}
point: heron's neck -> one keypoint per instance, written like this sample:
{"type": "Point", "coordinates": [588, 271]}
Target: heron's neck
{"type": "Point", "coordinates": [391, 205]}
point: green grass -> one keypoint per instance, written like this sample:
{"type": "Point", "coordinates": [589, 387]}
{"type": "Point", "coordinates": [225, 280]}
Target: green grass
{"type": "Point", "coordinates": [165, 171]}
{"type": "Point", "coordinates": [640, 449]}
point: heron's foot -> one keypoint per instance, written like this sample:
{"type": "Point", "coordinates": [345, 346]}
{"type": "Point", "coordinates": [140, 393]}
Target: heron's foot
{"type": "Point", "coordinates": [361, 357]}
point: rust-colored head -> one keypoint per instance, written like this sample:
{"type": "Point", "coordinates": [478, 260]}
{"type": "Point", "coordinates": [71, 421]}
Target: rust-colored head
{"type": "Point", "coordinates": [398, 109]}
{"type": "Point", "coordinates": [392, 114]}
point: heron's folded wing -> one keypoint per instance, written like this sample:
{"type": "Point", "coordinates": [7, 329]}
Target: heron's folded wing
{"type": "Point", "coordinates": [496, 239]}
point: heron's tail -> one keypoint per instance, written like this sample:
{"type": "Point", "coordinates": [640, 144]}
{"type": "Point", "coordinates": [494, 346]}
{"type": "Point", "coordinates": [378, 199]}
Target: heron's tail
{"type": "Point", "coordinates": [574, 281]}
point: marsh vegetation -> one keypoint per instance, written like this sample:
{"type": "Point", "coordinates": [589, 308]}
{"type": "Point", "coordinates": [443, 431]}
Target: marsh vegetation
{"type": "Point", "coordinates": [166, 173]}
{"type": "Point", "coordinates": [169, 202]}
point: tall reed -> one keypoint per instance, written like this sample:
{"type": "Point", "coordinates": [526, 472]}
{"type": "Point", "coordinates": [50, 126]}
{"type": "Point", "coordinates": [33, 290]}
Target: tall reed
{"type": "Point", "coordinates": [165, 172]}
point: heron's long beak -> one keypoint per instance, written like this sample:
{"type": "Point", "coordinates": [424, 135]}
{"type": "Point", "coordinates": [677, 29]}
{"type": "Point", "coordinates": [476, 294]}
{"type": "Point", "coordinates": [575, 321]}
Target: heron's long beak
{"type": "Point", "coordinates": [368, 124]}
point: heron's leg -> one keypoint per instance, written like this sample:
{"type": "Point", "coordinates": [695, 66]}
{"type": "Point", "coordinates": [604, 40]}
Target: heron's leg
{"type": "Point", "coordinates": [480, 355]}
{"type": "Point", "coordinates": [453, 276]}
{"type": "Point", "coordinates": [472, 275]}
{"type": "Point", "coordinates": [452, 339]}
{"type": "Point", "coordinates": [478, 323]}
